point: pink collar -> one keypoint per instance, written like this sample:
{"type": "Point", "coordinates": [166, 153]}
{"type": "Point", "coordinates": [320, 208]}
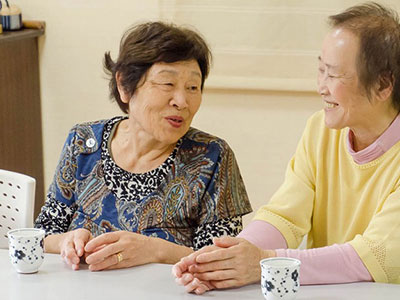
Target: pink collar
{"type": "Point", "coordinates": [387, 139]}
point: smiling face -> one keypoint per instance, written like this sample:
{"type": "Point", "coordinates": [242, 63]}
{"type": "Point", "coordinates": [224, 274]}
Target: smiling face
{"type": "Point", "coordinates": [166, 100]}
{"type": "Point", "coordinates": [346, 103]}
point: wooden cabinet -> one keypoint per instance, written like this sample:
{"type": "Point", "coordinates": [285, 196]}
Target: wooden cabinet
{"type": "Point", "coordinates": [20, 109]}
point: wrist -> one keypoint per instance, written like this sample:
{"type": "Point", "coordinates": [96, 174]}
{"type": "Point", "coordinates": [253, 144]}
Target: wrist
{"type": "Point", "coordinates": [166, 252]}
{"type": "Point", "coordinates": [53, 243]}
{"type": "Point", "coordinates": [268, 253]}
{"type": "Point", "coordinates": [156, 255]}
{"type": "Point", "coordinates": [61, 240]}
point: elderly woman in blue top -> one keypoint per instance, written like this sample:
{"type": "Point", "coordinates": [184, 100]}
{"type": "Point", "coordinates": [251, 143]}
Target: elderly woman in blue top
{"type": "Point", "coordinates": [145, 187]}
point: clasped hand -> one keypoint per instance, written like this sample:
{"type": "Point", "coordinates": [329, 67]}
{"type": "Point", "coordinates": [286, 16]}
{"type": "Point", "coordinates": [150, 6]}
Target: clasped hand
{"type": "Point", "coordinates": [112, 250]}
{"type": "Point", "coordinates": [230, 262]}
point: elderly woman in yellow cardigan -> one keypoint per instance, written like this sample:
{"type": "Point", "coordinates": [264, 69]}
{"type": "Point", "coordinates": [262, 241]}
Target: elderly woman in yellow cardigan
{"type": "Point", "coordinates": [342, 187]}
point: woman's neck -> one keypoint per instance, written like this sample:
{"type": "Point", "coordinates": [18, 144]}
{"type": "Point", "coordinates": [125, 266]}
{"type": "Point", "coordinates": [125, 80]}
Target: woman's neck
{"type": "Point", "coordinates": [136, 151]}
{"type": "Point", "coordinates": [363, 136]}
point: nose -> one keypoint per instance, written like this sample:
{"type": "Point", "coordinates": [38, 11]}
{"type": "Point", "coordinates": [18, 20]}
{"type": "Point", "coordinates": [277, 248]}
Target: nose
{"type": "Point", "coordinates": [322, 87]}
{"type": "Point", "coordinates": [179, 99]}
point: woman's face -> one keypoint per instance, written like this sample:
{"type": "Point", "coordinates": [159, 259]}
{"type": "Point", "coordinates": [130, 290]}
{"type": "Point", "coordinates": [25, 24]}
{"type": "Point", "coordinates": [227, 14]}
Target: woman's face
{"type": "Point", "coordinates": [166, 100]}
{"type": "Point", "coordinates": [346, 103]}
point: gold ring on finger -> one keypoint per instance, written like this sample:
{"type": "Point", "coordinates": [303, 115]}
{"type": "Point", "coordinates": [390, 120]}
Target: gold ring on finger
{"type": "Point", "coordinates": [119, 257]}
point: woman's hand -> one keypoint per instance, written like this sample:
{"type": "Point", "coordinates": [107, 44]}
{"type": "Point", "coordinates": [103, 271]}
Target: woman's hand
{"type": "Point", "coordinates": [233, 262]}
{"type": "Point", "coordinates": [119, 249]}
{"type": "Point", "coordinates": [183, 277]}
{"type": "Point", "coordinates": [194, 285]}
{"type": "Point", "coordinates": [71, 246]}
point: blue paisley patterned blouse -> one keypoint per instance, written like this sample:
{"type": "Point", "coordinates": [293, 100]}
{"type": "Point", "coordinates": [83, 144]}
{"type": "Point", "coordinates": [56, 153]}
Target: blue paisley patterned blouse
{"type": "Point", "coordinates": [195, 195]}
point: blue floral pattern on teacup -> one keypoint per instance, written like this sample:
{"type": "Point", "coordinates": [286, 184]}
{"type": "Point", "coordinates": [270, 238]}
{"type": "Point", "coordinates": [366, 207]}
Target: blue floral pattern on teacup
{"type": "Point", "coordinates": [279, 282]}
{"type": "Point", "coordinates": [18, 254]}
{"type": "Point", "coordinates": [26, 252]}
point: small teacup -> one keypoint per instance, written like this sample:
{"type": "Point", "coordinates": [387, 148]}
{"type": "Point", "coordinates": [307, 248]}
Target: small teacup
{"type": "Point", "coordinates": [26, 249]}
{"type": "Point", "coordinates": [280, 278]}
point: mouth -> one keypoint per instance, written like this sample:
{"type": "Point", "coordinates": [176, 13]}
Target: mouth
{"type": "Point", "coordinates": [175, 121]}
{"type": "Point", "coordinates": [330, 104]}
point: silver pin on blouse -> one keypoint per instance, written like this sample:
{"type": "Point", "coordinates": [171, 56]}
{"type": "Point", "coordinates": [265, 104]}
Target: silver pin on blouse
{"type": "Point", "coordinates": [90, 142]}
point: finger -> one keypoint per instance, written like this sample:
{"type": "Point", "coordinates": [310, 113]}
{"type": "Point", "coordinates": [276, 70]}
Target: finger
{"type": "Point", "coordinates": [86, 253]}
{"type": "Point", "coordinates": [225, 284]}
{"type": "Point", "coordinates": [177, 270]}
{"type": "Point", "coordinates": [79, 246]}
{"type": "Point", "coordinates": [109, 262]}
{"type": "Point", "coordinates": [192, 286]}
{"type": "Point", "coordinates": [69, 253]}
{"type": "Point", "coordinates": [183, 264]}
{"type": "Point", "coordinates": [178, 281]}
{"type": "Point", "coordinates": [216, 275]}
{"type": "Point", "coordinates": [209, 285]}
{"type": "Point", "coordinates": [75, 267]}
{"type": "Point", "coordinates": [204, 286]}
{"type": "Point", "coordinates": [185, 279]}
{"type": "Point", "coordinates": [216, 255]}
{"type": "Point", "coordinates": [201, 288]}
{"type": "Point", "coordinates": [100, 247]}
{"type": "Point", "coordinates": [103, 253]}
{"type": "Point", "coordinates": [70, 263]}
{"type": "Point", "coordinates": [191, 259]}
{"type": "Point", "coordinates": [226, 241]}
{"type": "Point", "coordinates": [212, 266]}
{"type": "Point", "coordinates": [106, 238]}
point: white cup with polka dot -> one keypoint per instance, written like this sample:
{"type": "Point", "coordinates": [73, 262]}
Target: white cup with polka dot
{"type": "Point", "coordinates": [280, 278]}
{"type": "Point", "coordinates": [26, 249]}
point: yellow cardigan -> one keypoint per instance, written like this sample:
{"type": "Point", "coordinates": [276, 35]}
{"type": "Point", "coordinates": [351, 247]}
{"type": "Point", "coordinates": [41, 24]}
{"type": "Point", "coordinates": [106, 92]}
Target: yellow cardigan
{"type": "Point", "coordinates": [334, 200]}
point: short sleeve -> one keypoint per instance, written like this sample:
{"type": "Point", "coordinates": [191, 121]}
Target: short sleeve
{"type": "Point", "coordinates": [225, 195]}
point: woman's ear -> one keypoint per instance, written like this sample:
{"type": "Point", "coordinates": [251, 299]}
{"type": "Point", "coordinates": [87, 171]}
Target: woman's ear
{"type": "Point", "coordinates": [125, 97]}
{"type": "Point", "coordinates": [384, 87]}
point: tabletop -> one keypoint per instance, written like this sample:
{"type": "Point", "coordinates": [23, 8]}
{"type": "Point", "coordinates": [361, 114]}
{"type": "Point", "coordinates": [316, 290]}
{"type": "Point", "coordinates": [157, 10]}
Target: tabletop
{"type": "Point", "coordinates": [154, 281]}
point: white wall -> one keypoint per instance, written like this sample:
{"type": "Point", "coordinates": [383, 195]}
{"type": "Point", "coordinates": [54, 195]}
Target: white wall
{"type": "Point", "coordinates": [260, 92]}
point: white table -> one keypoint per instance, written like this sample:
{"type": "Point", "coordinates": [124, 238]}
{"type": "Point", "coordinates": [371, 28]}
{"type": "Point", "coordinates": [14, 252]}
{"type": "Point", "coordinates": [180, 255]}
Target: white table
{"type": "Point", "coordinates": [56, 281]}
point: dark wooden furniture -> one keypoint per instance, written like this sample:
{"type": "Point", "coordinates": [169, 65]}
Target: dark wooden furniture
{"type": "Point", "coordinates": [20, 109]}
